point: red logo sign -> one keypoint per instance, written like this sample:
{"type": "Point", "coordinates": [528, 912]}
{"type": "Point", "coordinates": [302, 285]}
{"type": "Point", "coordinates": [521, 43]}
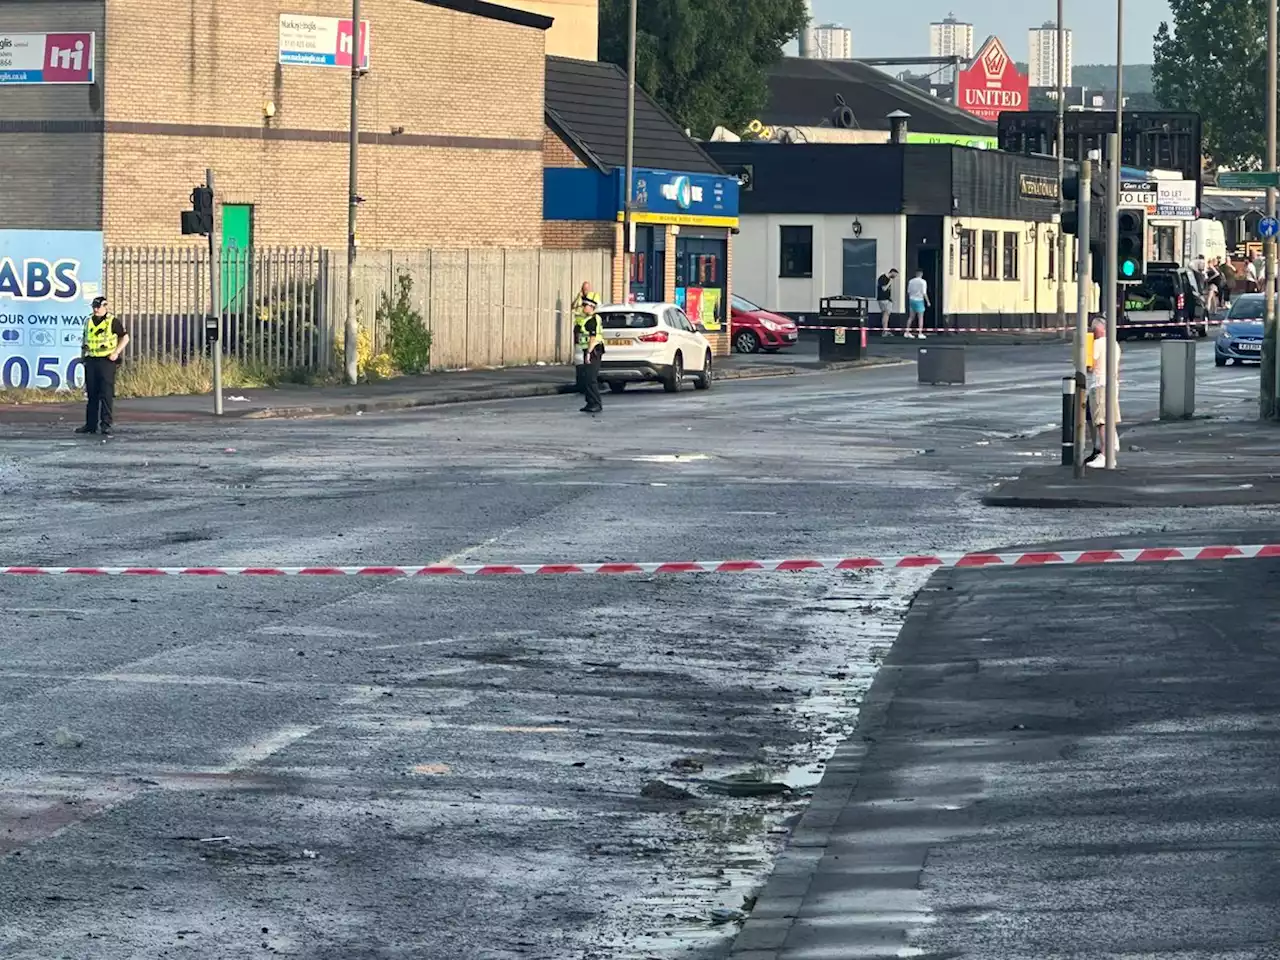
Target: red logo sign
{"type": "Point", "coordinates": [992, 85]}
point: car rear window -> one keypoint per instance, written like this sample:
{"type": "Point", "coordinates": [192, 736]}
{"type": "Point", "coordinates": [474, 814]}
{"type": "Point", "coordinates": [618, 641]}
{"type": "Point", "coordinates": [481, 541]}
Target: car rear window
{"type": "Point", "coordinates": [618, 320]}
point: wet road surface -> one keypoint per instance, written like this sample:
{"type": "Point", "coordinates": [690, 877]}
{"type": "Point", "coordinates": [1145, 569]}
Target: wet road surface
{"type": "Point", "coordinates": [497, 768]}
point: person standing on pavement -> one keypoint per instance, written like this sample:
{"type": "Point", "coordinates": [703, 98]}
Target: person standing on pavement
{"type": "Point", "coordinates": [591, 343]}
{"type": "Point", "coordinates": [917, 301]}
{"type": "Point", "coordinates": [884, 294]}
{"type": "Point", "coordinates": [1098, 396]}
{"type": "Point", "coordinates": [104, 341]}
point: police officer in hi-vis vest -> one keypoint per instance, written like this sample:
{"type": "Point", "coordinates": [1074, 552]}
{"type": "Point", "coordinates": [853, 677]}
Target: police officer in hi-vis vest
{"type": "Point", "coordinates": [104, 341]}
{"type": "Point", "coordinates": [590, 344]}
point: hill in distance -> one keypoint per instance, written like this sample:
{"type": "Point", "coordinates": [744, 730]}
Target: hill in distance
{"type": "Point", "coordinates": [1102, 76]}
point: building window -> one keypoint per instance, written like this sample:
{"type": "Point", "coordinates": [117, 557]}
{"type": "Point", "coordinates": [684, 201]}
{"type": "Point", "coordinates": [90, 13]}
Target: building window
{"type": "Point", "coordinates": [989, 255]}
{"type": "Point", "coordinates": [797, 252]}
{"type": "Point", "coordinates": [1010, 258]}
{"type": "Point", "coordinates": [968, 257]}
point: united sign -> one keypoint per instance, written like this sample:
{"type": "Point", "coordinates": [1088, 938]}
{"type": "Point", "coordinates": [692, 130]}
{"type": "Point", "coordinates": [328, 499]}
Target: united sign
{"type": "Point", "coordinates": [992, 84]}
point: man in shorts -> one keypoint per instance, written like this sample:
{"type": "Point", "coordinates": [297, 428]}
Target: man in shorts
{"type": "Point", "coordinates": [917, 301]}
{"type": "Point", "coordinates": [884, 293]}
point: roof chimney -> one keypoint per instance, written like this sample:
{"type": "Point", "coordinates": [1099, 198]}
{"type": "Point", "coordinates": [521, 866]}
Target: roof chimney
{"type": "Point", "coordinates": [898, 126]}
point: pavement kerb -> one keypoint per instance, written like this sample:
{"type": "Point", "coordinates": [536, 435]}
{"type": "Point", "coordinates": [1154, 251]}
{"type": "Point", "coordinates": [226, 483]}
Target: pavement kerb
{"type": "Point", "coordinates": [777, 906]}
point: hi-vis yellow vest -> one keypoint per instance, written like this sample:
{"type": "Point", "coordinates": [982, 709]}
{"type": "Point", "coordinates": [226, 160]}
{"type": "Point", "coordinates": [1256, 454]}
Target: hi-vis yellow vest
{"type": "Point", "coordinates": [99, 338]}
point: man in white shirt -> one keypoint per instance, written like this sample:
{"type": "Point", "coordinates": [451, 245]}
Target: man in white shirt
{"type": "Point", "coordinates": [917, 301]}
{"type": "Point", "coordinates": [1098, 394]}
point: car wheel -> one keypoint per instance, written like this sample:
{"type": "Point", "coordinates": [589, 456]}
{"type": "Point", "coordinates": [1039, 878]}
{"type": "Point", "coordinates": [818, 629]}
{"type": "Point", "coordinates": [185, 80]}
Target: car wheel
{"type": "Point", "coordinates": [746, 342]}
{"type": "Point", "coordinates": [675, 375]}
{"type": "Point", "coordinates": [704, 379]}
{"type": "Point", "coordinates": [617, 386]}
{"type": "Point", "coordinates": [1219, 361]}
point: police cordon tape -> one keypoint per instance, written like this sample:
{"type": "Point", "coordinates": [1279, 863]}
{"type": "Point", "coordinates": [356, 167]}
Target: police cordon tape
{"type": "Point", "coordinates": [1033, 558]}
{"type": "Point", "coordinates": [873, 330]}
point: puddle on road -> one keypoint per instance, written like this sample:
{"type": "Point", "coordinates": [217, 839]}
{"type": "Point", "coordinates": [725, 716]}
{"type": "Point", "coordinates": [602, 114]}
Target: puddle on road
{"type": "Point", "coordinates": [728, 847]}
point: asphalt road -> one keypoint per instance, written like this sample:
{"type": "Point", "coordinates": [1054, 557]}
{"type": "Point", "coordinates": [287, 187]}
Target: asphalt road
{"type": "Point", "coordinates": [458, 769]}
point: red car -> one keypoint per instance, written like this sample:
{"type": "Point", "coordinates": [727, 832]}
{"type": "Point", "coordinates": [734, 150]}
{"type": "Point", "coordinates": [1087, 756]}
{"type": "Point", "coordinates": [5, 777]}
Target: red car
{"type": "Point", "coordinates": [754, 328]}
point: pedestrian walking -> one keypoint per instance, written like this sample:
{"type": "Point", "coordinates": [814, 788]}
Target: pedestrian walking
{"type": "Point", "coordinates": [102, 345]}
{"type": "Point", "coordinates": [591, 344]}
{"type": "Point", "coordinates": [1098, 396]}
{"type": "Point", "coordinates": [917, 301]}
{"type": "Point", "coordinates": [884, 294]}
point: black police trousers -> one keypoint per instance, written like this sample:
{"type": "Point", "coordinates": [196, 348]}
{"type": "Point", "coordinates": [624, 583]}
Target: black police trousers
{"type": "Point", "coordinates": [100, 388]}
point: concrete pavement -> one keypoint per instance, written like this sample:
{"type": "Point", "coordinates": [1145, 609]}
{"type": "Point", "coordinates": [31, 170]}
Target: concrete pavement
{"type": "Point", "coordinates": [1053, 762]}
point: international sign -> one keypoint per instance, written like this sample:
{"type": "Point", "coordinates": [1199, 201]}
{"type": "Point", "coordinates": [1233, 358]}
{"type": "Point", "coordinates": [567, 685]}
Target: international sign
{"type": "Point", "coordinates": [1038, 188]}
{"type": "Point", "coordinates": [992, 84]}
{"type": "Point", "coordinates": [46, 58]}
{"type": "Point", "coordinates": [320, 41]}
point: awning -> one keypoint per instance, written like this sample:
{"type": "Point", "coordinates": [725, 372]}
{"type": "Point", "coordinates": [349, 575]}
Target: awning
{"type": "Point", "coordinates": [1222, 207]}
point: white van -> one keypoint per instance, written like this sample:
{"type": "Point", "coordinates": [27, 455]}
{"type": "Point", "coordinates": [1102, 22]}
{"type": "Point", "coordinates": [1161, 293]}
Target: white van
{"type": "Point", "coordinates": [1208, 239]}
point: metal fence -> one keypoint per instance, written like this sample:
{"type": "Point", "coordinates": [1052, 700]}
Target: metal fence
{"type": "Point", "coordinates": [285, 307]}
{"type": "Point", "coordinates": [272, 303]}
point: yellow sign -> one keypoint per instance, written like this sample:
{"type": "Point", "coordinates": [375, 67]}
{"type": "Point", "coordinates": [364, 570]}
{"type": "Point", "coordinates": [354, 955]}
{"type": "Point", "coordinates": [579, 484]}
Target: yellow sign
{"type": "Point", "coordinates": [680, 219]}
{"type": "Point", "coordinates": [710, 300]}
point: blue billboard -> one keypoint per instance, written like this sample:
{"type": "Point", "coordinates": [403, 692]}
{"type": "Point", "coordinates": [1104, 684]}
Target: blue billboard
{"type": "Point", "coordinates": [47, 280]}
{"type": "Point", "coordinates": [695, 199]}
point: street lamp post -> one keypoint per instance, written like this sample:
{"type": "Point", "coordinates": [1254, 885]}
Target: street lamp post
{"type": "Point", "coordinates": [1061, 259]}
{"type": "Point", "coordinates": [350, 333]}
{"type": "Point", "coordinates": [1111, 397]}
{"type": "Point", "coordinates": [1269, 280]}
{"type": "Point", "coordinates": [628, 228]}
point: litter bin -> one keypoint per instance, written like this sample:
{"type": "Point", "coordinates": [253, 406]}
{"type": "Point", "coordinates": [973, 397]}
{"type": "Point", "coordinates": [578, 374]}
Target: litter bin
{"type": "Point", "coordinates": [845, 335]}
{"type": "Point", "coordinates": [940, 365]}
{"type": "Point", "coordinates": [1177, 379]}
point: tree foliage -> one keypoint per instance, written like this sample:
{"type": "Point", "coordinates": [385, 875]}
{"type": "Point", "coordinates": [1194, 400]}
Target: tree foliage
{"type": "Point", "coordinates": [704, 61]}
{"type": "Point", "coordinates": [1212, 59]}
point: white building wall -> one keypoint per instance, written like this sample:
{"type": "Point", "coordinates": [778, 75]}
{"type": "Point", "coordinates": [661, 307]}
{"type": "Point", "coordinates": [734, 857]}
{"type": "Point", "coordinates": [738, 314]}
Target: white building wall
{"type": "Point", "coordinates": [757, 255]}
{"type": "Point", "coordinates": [1042, 57]}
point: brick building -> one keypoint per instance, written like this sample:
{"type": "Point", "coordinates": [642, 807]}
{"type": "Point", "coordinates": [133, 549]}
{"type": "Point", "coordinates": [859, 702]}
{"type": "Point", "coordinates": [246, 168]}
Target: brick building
{"type": "Point", "coordinates": [684, 206]}
{"type": "Point", "coordinates": [451, 119]}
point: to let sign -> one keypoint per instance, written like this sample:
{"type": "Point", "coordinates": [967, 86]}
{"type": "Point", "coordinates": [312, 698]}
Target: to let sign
{"type": "Point", "coordinates": [41, 58]}
{"type": "Point", "coordinates": [1139, 193]}
{"type": "Point", "coordinates": [321, 41]}
{"type": "Point", "coordinates": [992, 84]}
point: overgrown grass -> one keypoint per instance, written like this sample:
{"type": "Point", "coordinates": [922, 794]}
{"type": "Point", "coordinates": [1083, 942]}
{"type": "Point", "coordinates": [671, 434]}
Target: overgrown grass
{"type": "Point", "coordinates": [152, 378]}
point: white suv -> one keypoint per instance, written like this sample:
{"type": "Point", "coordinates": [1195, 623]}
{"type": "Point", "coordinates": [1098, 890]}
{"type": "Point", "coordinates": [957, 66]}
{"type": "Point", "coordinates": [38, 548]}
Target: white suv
{"type": "Point", "coordinates": [652, 342]}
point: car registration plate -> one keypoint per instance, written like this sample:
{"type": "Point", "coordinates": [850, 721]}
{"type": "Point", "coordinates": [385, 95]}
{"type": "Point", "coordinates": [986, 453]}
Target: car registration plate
{"type": "Point", "coordinates": [617, 343]}
{"type": "Point", "coordinates": [1249, 346]}
{"type": "Point", "coordinates": [789, 336]}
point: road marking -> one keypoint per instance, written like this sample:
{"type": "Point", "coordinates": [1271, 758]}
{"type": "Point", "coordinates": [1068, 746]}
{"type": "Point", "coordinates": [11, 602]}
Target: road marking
{"type": "Point", "coordinates": [268, 746]}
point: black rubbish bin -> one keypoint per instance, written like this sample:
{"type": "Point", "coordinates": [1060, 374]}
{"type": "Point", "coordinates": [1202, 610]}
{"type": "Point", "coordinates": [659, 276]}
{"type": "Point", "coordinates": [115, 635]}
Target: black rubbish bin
{"type": "Point", "coordinates": [843, 336]}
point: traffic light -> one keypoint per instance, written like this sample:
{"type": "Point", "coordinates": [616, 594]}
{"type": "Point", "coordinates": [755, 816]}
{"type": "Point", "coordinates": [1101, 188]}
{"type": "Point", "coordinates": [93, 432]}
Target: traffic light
{"type": "Point", "coordinates": [1071, 194]}
{"type": "Point", "coordinates": [1131, 233]}
{"type": "Point", "coordinates": [199, 219]}
{"type": "Point", "coordinates": [1094, 229]}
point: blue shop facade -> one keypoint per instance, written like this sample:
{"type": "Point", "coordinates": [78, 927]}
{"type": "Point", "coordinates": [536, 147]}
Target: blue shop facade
{"type": "Point", "coordinates": [683, 225]}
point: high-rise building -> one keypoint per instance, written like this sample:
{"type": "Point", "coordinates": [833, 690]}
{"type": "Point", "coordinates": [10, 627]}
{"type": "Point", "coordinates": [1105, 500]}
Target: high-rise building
{"type": "Point", "coordinates": [950, 38]}
{"type": "Point", "coordinates": [832, 41]}
{"type": "Point", "coordinates": [1042, 60]}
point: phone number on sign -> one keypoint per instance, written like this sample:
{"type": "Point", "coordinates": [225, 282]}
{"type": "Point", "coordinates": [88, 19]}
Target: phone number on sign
{"type": "Point", "coordinates": [47, 373]}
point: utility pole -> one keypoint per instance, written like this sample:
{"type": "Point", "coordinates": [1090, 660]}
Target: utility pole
{"type": "Point", "coordinates": [1061, 259]}
{"type": "Point", "coordinates": [1084, 290]}
{"type": "Point", "coordinates": [215, 308]}
{"type": "Point", "coordinates": [1112, 398]}
{"type": "Point", "coordinates": [628, 227]}
{"type": "Point", "coordinates": [350, 333]}
{"type": "Point", "coordinates": [1269, 393]}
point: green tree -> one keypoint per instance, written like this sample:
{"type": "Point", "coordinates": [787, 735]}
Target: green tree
{"type": "Point", "coordinates": [1212, 59]}
{"type": "Point", "coordinates": [703, 61]}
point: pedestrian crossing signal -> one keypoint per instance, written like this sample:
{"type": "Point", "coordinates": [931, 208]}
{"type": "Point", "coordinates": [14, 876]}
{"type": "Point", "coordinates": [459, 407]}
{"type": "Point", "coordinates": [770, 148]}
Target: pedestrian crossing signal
{"type": "Point", "coordinates": [1131, 230]}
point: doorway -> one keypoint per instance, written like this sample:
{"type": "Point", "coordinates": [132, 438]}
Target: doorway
{"type": "Point", "coordinates": [700, 280]}
{"type": "Point", "coordinates": [929, 262]}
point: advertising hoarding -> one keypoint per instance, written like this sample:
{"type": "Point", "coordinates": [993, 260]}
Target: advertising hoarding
{"type": "Point", "coordinates": [320, 41]}
{"type": "Point", "coordinates": [992, 84]}
{"type": "Point", "coordinates": [46, 58]}
{"type": "Point", "coordinates": [47, 280]}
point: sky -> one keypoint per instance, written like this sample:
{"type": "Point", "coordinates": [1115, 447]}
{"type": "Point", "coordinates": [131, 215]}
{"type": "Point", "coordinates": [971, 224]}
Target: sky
{"type": "Point", "coordinates": [902, 29]}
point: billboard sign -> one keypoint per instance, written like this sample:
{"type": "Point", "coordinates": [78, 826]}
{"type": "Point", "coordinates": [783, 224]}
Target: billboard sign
{"type": "Point", "coordinates": [992, 84]}
{"type": "Point", "coordinates": [689, 199]}
{"type": "Point", "coordinates": [47, 280]}
{"type": "Point", "coordinates": [320, 41]}
{"type": "Point", "coordinates": [1165, 199]}
{"type": "Point", "coordinates": [38, 58]}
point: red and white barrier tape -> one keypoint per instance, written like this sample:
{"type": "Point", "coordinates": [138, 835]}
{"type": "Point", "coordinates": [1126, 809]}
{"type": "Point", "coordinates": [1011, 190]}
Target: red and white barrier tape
{"type": "Point", "coordinates": [1039, 558]}
{"type": "Point", "coordinates": [873, 329]}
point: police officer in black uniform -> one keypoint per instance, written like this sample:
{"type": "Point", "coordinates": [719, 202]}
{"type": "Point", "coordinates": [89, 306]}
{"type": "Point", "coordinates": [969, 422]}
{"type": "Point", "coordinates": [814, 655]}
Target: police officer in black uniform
{"type": "Point", "coordinates": [104, 341]}
{"type": "Point", "coordinates": [591, 343]}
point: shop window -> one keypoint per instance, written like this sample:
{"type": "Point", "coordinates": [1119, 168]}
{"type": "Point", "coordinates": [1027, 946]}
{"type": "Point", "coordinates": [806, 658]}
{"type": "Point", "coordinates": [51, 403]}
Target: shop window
{"type": "Point", "coordinates": [1009, 260]}
{"type": "Point", "coordinates": [968, 256]}
{"type": "Point", "coordinates": [989, 255]}
{"type": "Point", "coordinates": [797, 252]}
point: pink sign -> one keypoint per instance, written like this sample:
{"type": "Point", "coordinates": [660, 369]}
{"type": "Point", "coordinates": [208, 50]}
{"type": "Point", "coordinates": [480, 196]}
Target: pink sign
{"type": "Point", "coordinates": [345, 46]}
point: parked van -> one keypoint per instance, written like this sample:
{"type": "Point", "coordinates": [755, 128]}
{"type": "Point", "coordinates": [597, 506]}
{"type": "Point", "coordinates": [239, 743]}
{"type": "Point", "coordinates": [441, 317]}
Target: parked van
{"type": "Point", "coordinates": [1208, 239]}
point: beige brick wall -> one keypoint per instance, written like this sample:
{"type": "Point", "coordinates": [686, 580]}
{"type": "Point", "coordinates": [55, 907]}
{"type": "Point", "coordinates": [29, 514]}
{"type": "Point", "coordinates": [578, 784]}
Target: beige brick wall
{"type": "Point", "coordinates": [576, 31]}
{"type": "Point", "coordinates": [50, 141]}
{"type": "Point", "coordinates": [577, 235]}
{"type": "Point", "coordinates": [464, 170]}
{"type": "Point", "coordinates": [556, 153]}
